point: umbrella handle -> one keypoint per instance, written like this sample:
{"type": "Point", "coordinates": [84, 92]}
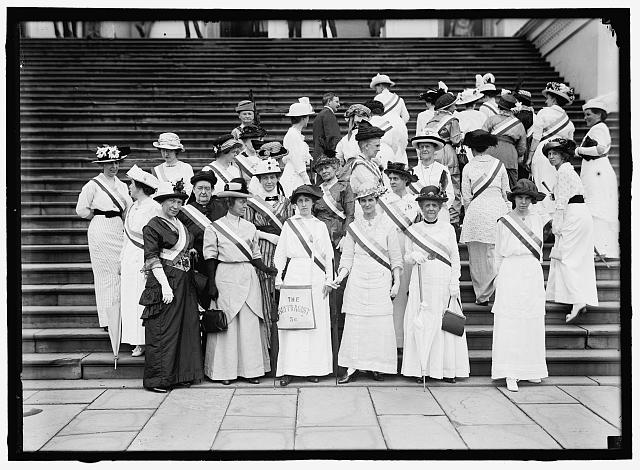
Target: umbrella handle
{"type": "Point", "coordinates": [420, 281]}
{"type": "Point", "coordinates": [115, 362]}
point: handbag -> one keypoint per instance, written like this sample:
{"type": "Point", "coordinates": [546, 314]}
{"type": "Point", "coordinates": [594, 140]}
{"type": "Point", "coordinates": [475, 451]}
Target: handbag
{"type": "Point", "coordinates": [461, 155]}
{"type": "Point", "coordinates": [213, 321]}
{"type": "Point", "coordinates": [452, 321]}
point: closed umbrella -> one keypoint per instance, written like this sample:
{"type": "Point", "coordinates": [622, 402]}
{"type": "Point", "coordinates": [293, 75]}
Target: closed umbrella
{"type": "Point", "coordinates": [275, 344]}
{"type": "Point", "coordinates": [114, 321]}
{"type": "Point", "coordinates": [424, 329]}
{"type": "Point", "coordinates": [333, 311]}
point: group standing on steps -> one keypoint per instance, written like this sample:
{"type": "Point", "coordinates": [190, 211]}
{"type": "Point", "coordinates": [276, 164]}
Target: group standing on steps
{"type": "Point", "coordinates": [251, 236]}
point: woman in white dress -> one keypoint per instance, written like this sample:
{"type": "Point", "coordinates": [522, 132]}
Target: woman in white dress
{"type": "Point", "coordinates": [225, 149]}
{"type": "Point", "coordinates": [518, 348]}
{"type": "Point", "coordinates": [372, 260]}
{"type": "Point", "coordinates": [431, 248]}
{"type": "Point", "coordinates": [572, 274]}
{"type": "Point", "coordinates": [551, 121]}
{"type": "Point", "coordinates": [303, 247]}
{"type": "Point", "coordinates": [599, 179]}
{"type": "Point", "coordinates": [247, 160]}
{"type": "Point", "coordinates": [347, 148]}
{"type": "Point", "coordinates": [104, 200]}
{"type": "Point", "coordinates": [298, 161]}
{"type": "Point", "coordinates": [142, 186]}
{"type": "Point", "coordinates": [485, 183]}
{"type": "Point", "coordinates": [172, 169]}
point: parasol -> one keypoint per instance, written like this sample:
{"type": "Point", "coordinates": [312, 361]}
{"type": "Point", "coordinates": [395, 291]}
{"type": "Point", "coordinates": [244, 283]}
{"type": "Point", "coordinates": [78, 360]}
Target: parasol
{"type": "Point", "coordinates": [114, 321]}
{"type": "Point", "coordinates": [425, 326]}
{"type": "Point", "coordinates": [275, 344]}
{"type": "Point", "coordinates": [333, 313]}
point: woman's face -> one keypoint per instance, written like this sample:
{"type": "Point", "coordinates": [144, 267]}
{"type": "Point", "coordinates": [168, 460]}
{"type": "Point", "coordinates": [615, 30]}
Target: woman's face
{"type": "Point", "coordinates": [230, 155]}
{"type": "Point", "coordinates": [202, 191]}
{"type": "Point", "coordinates": [169, 154]}
{"type": "Point", "coordinates": [134, 191]}
{"type": "Point", "coordinates": [430, 210]}
{"type": "Point", "coordinates": [171, 206]}
{"type": "Point", "coordinates": [555, 158]}
{"type": "Point", "coordinates": [550, 100]}
{"type": "Point", "coordinates": [238, 206]}
{"type": "Point", "coordinates": [304, 204]}
{"type": "Point", "coordinates": [368, 204]}
{"type": "Point", "coordinates": [246, 117]}
{"type": "Point", "coordinates": [110, 169]}
{"type": "Point", "coordinates": [397, 182]}
{"type": "Point", "coordinates": [269, 182]}
{"type": "Point", "coordinates": [522, 202]}
{"type": "Point", "coordinates": [426, 151]}
{"type": "Point", "coordinates": [327, 172]}
{"type": "Point", "coordinates": [591, 118]}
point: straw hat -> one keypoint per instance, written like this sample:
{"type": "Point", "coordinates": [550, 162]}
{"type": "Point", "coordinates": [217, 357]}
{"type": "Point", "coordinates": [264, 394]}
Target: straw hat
{"type": "Point", "coordinates": [170, 141]}
{"type": "Point", "coordinates": [237, 187]}
{"type": "Point", "coordinates": [226, 143]}
{"type": "Point", "coordinates": [168, 190]}
{"type": "Point", "coordinates": [108, 154]}
{"type": "Point", "coordinates": [525, 187]}
{"type": "Point", "coordinates": [380, 79]}
{"type": "Point", "coordinates": [366, 191]}
{"type": "Point", "coordinates": [469, 95]}
{"type": "Point", "coordinates": [357, 110]}
{"type": "Point", "coordinates": [245, 105]}
{"type": "Point", "coordinates": [272, 149]}
{"type": "Point", "coordinates": [269, 166]}
{"type": "Point", "coordinates": [431, 138]}
{"type": "Point", "coordinates": [561, 90]}
{"type": "Point", "coordinates": [138, 174]}
{"type": "Point", "coordinates": [301, 108]}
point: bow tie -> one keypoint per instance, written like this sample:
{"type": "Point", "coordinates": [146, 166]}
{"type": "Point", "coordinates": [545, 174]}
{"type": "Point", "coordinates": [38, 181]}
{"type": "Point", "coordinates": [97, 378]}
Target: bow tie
{"type": "Point", "coordinates": [271, 198]}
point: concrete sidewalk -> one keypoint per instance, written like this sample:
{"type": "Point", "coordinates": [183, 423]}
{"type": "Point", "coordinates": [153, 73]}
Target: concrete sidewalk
{"type": "Point", "coordinates": [476, 413]}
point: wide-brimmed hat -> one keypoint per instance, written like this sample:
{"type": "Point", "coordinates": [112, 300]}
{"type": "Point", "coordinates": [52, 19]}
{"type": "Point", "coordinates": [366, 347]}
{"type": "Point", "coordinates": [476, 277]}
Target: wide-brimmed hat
{"type": "Point", "coordinates": [113, 153]}
{"type": "Point", "coordinates": [375, 106]}
{"type": "Point", "coordinates": [431, 138]}
{"type": "Point", "coordinates": [269, 166]}
{"type": "Point", "coordinates": [245, 105]}
{"type": "Point", "coordinates": [469, 95]}
{"type": "Point", "coordinates": [486, 83]}
{"type": "Point", "coordinates": [226, 143]}
{"type": "Point", "coordinates": [204, 176]}
{"type": "Point", "coordinates": [325, 160]}
{"type": "Point", "coordinates": [507, 102]}
{"type": "Point", "coordinates": [596, 103]}
{"type": "Point", "coordinates": [366, 131]}
{"type": "Point", "coordinates": [431, 193]}
{"type": "Point", "coordinates": [313, 192]}
{"type": "Point", "coordinates": [357, 110]}
{"type": "Point", "coordinates": [525, 187]}
{"type": "Point", "coordinates": [429, 95]}
{"type": "Point", "coordinates": [168, 140]}
{"type": "Point", "coordinates": [444, 101]}
{"type": "Point", "coordinates": [479, 138]}
{"type": "Point", "coordinates": [401, 169]}
{"type": "Point", "coordinates": [366, 191]}
{"type": "Point", "coordinates": [138, 174]}
{"type": "Point", "coordinates": [560, 144]}
{"type": "Point", "coordinates": [272, 149]}
{"type": "Point", "coordinates": [378, 79]}
{"type": "Point", "coordinates": [301, 108]}
{"type": "Point", "coordinates": [523, 96]}
{"type": "Point", "coordinates": [252, 131]}
{"type": "Point", "coordinates": [560, 89]}
{"type": "Point", "coordinates": [168, 190]}
{"type": "Point", "coordinates": [237, 187]}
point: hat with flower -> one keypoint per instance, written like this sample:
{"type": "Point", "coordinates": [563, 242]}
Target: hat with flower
{"type": "Point", "coordinates": [560, 89]}
{"type": "Point", "coordinates": [366, 191]}
{"type": "Point", "coordinates": [486, 83]}
{"type": "Point", "coordinates": [169, 190]}
{"type": "Point", "coordinates": [113, 153]}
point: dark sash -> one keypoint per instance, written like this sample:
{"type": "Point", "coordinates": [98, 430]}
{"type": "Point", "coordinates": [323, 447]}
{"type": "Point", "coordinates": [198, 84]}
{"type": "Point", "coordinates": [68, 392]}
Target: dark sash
{"type": "Point", "coordinates": [372, 248]}
{"type": "Point", "coordinates": [388, 106]}
{"type": "Point", "coordinates": [115, 198]}
{"type": "Point", "coordinates": [233, 238]}
{"type": "Point", "coordinates": [524, 234]}
{"type": "Point", "coordinates": [298, 232]}
{"type": "Point", "coordinates": [486, 181]}
{"type": "Point", "coordinates": [428, 244]}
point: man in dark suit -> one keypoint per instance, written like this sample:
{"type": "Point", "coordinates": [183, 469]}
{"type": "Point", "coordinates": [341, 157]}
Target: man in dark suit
{"type": "Point", "coordinates": [326, 130]}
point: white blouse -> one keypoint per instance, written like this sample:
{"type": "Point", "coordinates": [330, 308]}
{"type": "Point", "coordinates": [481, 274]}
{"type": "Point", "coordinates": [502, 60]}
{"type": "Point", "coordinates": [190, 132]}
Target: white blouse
{"type": "Point", "coordinates": [93, 197]}
{"type": "Point", "coordinates": [600, 133]}
{"type": "Point", "coordinates": [174, 173]}
{"type": "Point", "coordinates": [430, 176]}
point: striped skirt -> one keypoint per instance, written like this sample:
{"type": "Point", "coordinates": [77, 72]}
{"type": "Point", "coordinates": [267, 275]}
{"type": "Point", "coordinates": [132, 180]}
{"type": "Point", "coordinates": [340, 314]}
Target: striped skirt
{"type": "Point", "coordinates": [106, 237]}
{"type": "Point", "coordinates": [267, 285]}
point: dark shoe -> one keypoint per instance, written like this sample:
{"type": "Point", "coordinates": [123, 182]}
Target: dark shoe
{"type": "Point", "coordinates": [226, 382]}
{"type": "Point", "coordinates": [105, 328]}
{"type": "Point", "coordinates": [484, 304]}
{"type": "Point", "coordinates": [419, 380]}
{"type": "Point", "coordinates": [377, 376]}
{"type": "Point", "coordinates": [253, 380]}
{"type": "Point", "coordinates": [157, 389]}
{"type": "Point", "coordinates": [313, 379]}
{"type": "Point", "coordinates": [450, 380]}
{"type": "Point", "coordinates": [346, 378]}
{"type": "Point", "coordinates": [182, 385]}
{"type": "Point", "coordinates": [285, 380]}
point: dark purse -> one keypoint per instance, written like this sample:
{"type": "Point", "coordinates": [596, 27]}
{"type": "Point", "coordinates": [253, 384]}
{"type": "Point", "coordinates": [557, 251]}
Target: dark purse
{"type": "Point", "coordinates": [462, 157]}
{"type": "Point", "coordinates": [214, 321]}
{"type": "Point", "coordinates": [452, 321]}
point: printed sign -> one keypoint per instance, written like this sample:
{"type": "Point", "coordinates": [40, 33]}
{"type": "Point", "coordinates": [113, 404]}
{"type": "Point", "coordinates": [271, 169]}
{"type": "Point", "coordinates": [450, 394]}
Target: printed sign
{"type": "Point", "coordinates": [296, 308]}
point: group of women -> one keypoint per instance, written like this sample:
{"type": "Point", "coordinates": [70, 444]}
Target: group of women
{"type": "Point", "coordinates": [395, 247]}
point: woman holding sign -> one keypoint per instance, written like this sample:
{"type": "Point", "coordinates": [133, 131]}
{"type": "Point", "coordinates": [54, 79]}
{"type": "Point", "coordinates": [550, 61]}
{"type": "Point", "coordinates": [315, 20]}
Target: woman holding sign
{"type": "Point", "coordinates": [432, 249]}
{"type": "Point", "coordinates": [232, 252]}
{"type": "Point", "coordinates": [304, 257]}
{"type": "Point", "coordinates": [518, 350]}
{"type": "Point", "coordinates": [371, 258]}
{"type": "Point", "coordinates": [485, 183]}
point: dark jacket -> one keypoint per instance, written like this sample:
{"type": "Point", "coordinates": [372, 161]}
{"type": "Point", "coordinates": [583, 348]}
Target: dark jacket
{"type": "Point", "coordinates": [326, 133]}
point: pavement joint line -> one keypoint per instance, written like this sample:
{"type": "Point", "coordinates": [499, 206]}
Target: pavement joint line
{"type": "Point", "coordinates": [233, 394]}
{"type": "Point", "coordinates": [375, 412]}
{"type": "Point", "coordinates": [450, 420]}
{"type": "Point", "coordinates": [617, 426]}
{"type": "Point", "coordinates": [295, 420]}
{"type": "Point", "coordinates": [147, 421]}
{"type": "Point", "coordinates": [66, 424]}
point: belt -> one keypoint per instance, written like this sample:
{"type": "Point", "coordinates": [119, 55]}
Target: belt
{"type": "Point", "coordinates": [577, 199]}
{"type": "Point", "coordinates": [233, 262]}
{"type": "Point", "coordinates": [107, 214]}
{"type": "Point", "coordinates": [181, 262]}
{"type": "Point", "coordinates": [594, 157]}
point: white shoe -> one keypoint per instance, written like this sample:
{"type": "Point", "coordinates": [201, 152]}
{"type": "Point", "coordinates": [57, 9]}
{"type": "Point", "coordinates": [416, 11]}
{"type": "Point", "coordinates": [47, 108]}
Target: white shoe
{"type": "Point", "coordinates": [576, 310]}
{"type": "Point", "coordinates": [535, 381]}
{"type": "Point", "coordinates": [512, 384]}
{"type": "Point", "coordinates": [137, 351]}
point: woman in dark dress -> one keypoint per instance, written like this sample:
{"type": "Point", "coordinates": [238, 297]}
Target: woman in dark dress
{"type": "Point", "coordinates": [172, 356]}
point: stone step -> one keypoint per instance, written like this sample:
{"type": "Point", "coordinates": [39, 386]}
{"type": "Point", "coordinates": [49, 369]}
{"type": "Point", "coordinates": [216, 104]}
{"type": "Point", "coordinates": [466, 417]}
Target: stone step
{"type": "Point", "coordinates": [100, 365]}
{"type": "Point", "coordinates": [83, 294]}
{"type": "Point", "coordinates": [80, 273]}
{"type": "Point", "coordinates": [54, 236]}
{"type": "Point", "coordinates": [55, 254]}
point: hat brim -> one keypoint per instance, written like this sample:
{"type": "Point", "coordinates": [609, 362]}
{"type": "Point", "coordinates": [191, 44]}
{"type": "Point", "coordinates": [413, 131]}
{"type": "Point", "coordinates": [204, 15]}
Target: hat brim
{"type": "Point", "coordinates": [473, 100]}
{"type": "Point", "coordinates": [420, 139]}
{"type": "Point", "coordinates": [277, 173]}
{"type": "Point", "coordinates": [564, 96]}
{"type": "Point", "coordinates": [438, 108]}
{"type": "Point", "coordinates": [300, 115]}
{"type": "Point", "coordinates": [325, 162]}
{"type": "Point", "coordinates": [119, 159]}
{"type": "Point", "coordinates": [294, 197]}
{"type": "Point", "coordinates": [373, 84]}
{"type": "Point", "coordinates": [431, 198]}
{"type": "Point", "coordinates": [537, 197]}
{"type": "Point", "coordinates": [411, 178]}
{"type": "Point", "coordinates": [274, 155]}
{"type": "Point", "coordinates": [550, 146]}
{"type": "Point", "coordinates": [163, 197]}
{"type": "Point", "coordinates": [168, 146]}
{"type": "Point", "coordinates": [233, 194]}
{"type": "Point", "coordinates": [238, 145]}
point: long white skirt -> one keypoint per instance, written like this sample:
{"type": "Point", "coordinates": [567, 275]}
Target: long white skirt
{"type": "Point", "coordinates": [305, 353]}
{"type": "Point", "coordinates": [542, 170]}
{"type": "Point", "coordinates": [290, 180]}
{"type": "Point", "coordinates": [241, 351]}
{"type": "Point", "coordinates": [105, 237]}
{"type": "Point", "coordinates": [573, 280]}
{"type": "Point", "coordinates": [369, 343]}
{"type": "Point", "coordinates": [428, 350]}
{"type": "Point", "coordinates": [601, 195]}
{"type": "Point", "coordinates": [400, 302]}
{"type": "Point", "coordinates": [518, 349]}
{"type": "Point", "coordinates": [132, 285]}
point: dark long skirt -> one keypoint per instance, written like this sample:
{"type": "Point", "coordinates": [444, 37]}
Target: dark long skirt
{"type": "Point", "coordinates": [172, 332]}
{"type": "Point", "coordinates": [267, 286]}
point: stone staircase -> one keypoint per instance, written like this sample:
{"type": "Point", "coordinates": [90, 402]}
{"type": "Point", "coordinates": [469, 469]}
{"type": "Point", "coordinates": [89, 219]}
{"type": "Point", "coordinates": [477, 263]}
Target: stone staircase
{"type": "Point", "coordinates": [76, 95]}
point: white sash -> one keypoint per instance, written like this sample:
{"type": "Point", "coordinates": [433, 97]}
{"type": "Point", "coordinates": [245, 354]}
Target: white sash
{"type": "Point", "coordinates": [416, 187]}
{"type": "Point", "coordinates": [332, 204]}
{"type": "Point", "coordinates": [523, 233]}
{"type": "Point", "coordinates": [385, 126]}
{"type": "Point", "coordinates": [241, 244]}
{"type": "Point", "coordinates": [556, 127]}
{"type": "Point", "coordinates": [397, 216]}
{"type": "Point", "coordinates": [116, 198]}
{"type": "Point", "coordinates": [225, 177]}
{"type": "Point", "coordinates": [492, 107]}
{"type": "Point", "coordinates": [160, 173]}
{"type": "Point", "coordinates": [486, 178]}
{"type": "Point", "coordinates": [196, 216]}
{"type": "Point", "coordinates": [243, 163]}
{"type": "Point", "coordinates": [443, 122]}
{"type": "Point", "coordinates": [505, 125]}
{"type": "Point", "coordinates": [260, 205]}
{"type": "Point", "coordinates": [369, 245]}
{"type": "Point", "coordinates": [172, 253]}
{"type": "Point", "coordinates": [435, 249]}
{"type": "Point", "coordinates": [391, 103]}
{"type": "Point", "coordinates": [132, 235]}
